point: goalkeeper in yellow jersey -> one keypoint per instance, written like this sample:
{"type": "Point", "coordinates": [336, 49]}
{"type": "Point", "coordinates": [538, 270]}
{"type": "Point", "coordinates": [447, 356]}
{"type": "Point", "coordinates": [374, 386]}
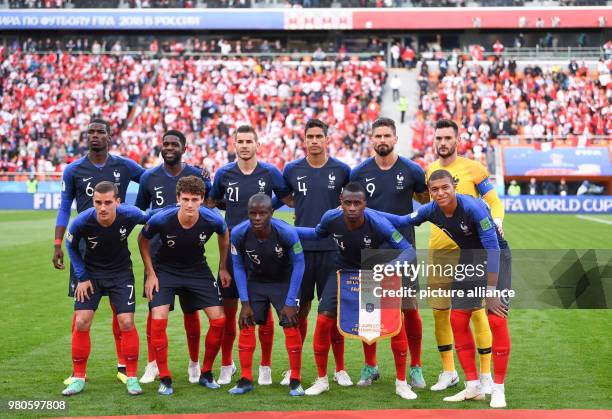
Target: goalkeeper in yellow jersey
{"type": "Point", "coordinates": [471, 178]}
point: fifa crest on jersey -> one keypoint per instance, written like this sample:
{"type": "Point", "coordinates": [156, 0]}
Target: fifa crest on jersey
{"type": "Point", "coordinates": [332, 181]}
{"type": "Point", "coordinates": [279, 251]}
{"type": "Point", "coordinates": [367, 242]}
{"type": "Point", "coordinates": [117, 175]}
{"type": "Point", "coordinates": [262, 185]}
{"type": "Point", "coordinates": [202, 238]}
{"type": "Point", "coordinates": [465, 229]}
{"type": "Point", "coordinates": [400, 181]}
{"type": "Point", "coordinates": [123, 233]}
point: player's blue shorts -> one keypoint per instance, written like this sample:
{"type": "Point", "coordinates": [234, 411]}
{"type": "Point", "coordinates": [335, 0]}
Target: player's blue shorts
{"type": "Point", "coordinates": [262, 294]}
{"type": "Point", "coordinates": [471, 284]}
{"type": "Point", "coordinates": [329, 298]}
{"type": "Point", "coordinates": [318, 266]}
{"type": "Point", "coordinates": [120, 290]}
{"type": "Point", "coordinates": [199, 291]}
{"type": "Point", "coordinates": [231, 291]}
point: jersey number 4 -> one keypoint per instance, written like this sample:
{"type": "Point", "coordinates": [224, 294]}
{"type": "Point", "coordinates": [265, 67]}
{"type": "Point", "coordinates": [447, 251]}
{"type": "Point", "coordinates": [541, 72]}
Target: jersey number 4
{"type": "Point", "coordinates": [302, 187]}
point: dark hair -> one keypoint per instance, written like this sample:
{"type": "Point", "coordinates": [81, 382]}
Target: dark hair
{"type": "Point", "coordinates": [192, 185]}
{"type": "Point", "coordinates": [316, 123]}
{"type": "Point", "coordinates": [447, 123]}
{"type": "Point", "coordinates": [260, 198]}
{"type": "Point", "coordinates": [441, 174]}
{"type": "Point", "coordinates": [106, 186]}
{"type": "Point", "coordinates": [384, 122]}
{"type": "Point", "coordinates": [354, 187]}
{"type": "Point", "coordinates": [103, 122]}
{"type": "Point", "coordinates": [242, 129]}
{"type": "Point", "coordinates": [177, 134]}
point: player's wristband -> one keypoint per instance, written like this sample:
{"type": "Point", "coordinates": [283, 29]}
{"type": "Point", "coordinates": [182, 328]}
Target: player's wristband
{"type": "Point", "coordinates": [57, 242]}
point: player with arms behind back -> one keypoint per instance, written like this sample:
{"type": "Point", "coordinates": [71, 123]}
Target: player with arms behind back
{"type": "Point", "coordinates": [78, 182]}
{"type": "Point", "coordinates": [158, 190]}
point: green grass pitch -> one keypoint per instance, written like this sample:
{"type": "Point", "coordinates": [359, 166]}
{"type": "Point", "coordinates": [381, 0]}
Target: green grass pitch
{"type": "Point", "coordinates": [560, 358]}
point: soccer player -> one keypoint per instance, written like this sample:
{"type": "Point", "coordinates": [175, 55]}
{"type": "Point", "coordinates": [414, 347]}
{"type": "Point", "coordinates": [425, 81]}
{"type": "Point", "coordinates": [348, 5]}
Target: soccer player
{"type": "Point", "coordinates": [78, 181]}
{"type": "Point", "coordinates": [471, 178]}
{"type": "Point", "coordinates": [104, 268]}
{"type": "Point", "coordinates": [353, 229]}
{"type": "Point", "coordinates": [469, 223]}
{"type": "Point", "coordinates": [180, 268]}
{"type": "Point", "coordinates": [268, 267]}
{"type": "Point", "coordinates": [158, 190]}
{"type": "Point", "coordinates": [316, 182]}
{"type": "Point", "coordinates": [232, 187]}
{"type": "Point", "coordinates": [390, 182]}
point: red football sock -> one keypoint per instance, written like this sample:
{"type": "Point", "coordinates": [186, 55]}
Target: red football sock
{"type": "Point", "coordinates": [501, 347]}
{"type": "Point", "coordinates": [293, 343]}
{"type": "Point", "coordinates": [303, 326]}
{"type": "Point", "coordinates": [159, 339]}
{"type": "Point", "coordinates": [81, 347]}
{"type": "Point", "coordinates": [246, 348]}
{"type": "Point", "coordinates": [337, 344]}
{"type": "Point", "coordinates": [266, 339]}
{"type": "Point", "coordinates": [399, 347]}
{"type": "Point", "coordinates": [229, 335]}
{"type": "Point", "coordinates": [117, 336]}
{"type": "Point", "coordinates": [213, 341]}
{"type": "Point", "coordinates": [414, 334]}
{"type": "Point", "coordinates": [130, 347]}
{"type": "Point", "coordinates": [322, 342]}
{"type": "Point", "coordinates": [369, 353]}
{"type": "Point", "coordinates": [191, 321]}
{"type": "Point", "coordinates": [150, 348]}
{"type": "Point", "coordinates": [464, 343]}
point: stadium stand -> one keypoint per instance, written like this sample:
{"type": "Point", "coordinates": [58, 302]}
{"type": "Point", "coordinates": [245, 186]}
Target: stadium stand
{"type": "Point", "coordinates": [500, 101]}
{"type": "Point", "coordinates": [48, 99]}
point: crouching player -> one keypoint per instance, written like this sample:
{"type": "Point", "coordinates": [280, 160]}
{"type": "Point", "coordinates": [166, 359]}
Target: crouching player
{"type": "Point", "coordinates": [354, 228]}
{"type": "Point", "coordinates": [468, 222]}
{"type": "Point", "coordinates": [268, 268]}
{"type": "Point", "coordinates": [104, 269]}
{"type": "Point", "coordinates": [180, 268]}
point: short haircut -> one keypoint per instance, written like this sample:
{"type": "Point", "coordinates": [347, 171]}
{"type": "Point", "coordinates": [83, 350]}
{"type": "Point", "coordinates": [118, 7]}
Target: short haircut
{"type": "Point", "coordinates": [177, 134]}
{"type": "Point", "coordinates": [106, 186]}
{"type": "Point", "coordinates": [103, 122]}
{"type": "Point", "coordinates": [316, 123]}
{"type": "Point", "coordinates": [260, 198]}
{"type": "Point", "coordinates": [447, 123]}
{"type": "Point", "coordinates": [243, 129]}
{"type": "Point", "coordinates": [191, 185]}
{"type": "Point", "coordinates": [354, 187]}
{"type": "Point", "coordinates": [384, 122]}
{"type": "Point", "coordinates": [441, 174]}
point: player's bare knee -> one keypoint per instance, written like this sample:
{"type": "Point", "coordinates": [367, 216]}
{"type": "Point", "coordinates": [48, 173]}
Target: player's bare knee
{"type": "Point", "coordinates": [126, 321]}
{"type": "Point", "coordinates": [215, 312]}
{"type": "Point", "coordinates": [160, 312]}
{"type": "Point", "coordinates": [83, 319]}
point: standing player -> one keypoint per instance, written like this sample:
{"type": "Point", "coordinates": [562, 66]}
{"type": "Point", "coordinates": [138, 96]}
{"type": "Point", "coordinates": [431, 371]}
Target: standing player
{"type": "Point", "coordinates": [158, 190]}
{"type": "Point", "coordinates": [78, 183]}
{"type": "Point", "coordinates": [353, 229]}
{"type": "Point", "coordinates": [268, 267]}
{"type": "Point", "coordinates": [180, 268]}
{"type": "Point", "coordinates": [468, 222]}
{"type": "Point", "coordinates": [390, 182]}
{"type": "Point", "coordinates": [316, 182]}
{"type": "Point", "coordinates": [234, 184]}
{"type": "Point", "coordinates": [472, 179]}
{"type": "Point", "coordinates": [104, 268]}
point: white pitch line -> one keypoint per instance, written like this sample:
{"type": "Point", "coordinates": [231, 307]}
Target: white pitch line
{"type": "Point", "coordinates": [597, 220]}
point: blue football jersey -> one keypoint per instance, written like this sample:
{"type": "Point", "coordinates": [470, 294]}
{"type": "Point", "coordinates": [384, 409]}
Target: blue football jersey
{"type": "Point", "coordinates": [315, 191]}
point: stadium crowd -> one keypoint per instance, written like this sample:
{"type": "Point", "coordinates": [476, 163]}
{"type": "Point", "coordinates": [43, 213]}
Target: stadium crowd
{"type": "Point", "coordinates": [501, 101]}
{"type": "Point", "coordinates": [47, 101]}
